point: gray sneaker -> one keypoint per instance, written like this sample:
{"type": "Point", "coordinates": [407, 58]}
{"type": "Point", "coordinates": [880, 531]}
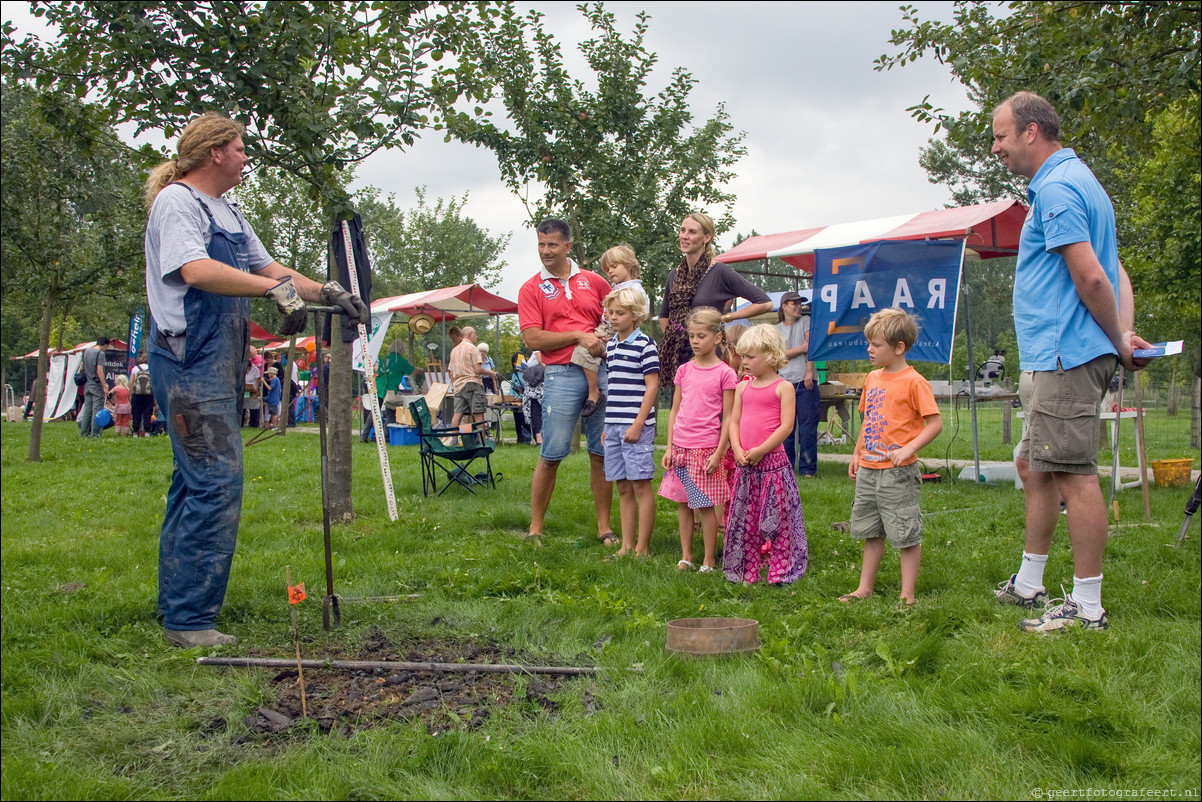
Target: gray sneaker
{"type": "Point", "coordinates": [1006, 593]}
{"type": "Point", "coordinates": [1064, 615]}
{"type": "Point", "coordinates": [190, 639]}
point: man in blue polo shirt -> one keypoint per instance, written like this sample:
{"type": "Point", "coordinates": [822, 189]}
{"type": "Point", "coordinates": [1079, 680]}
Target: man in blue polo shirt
{"type": "Point", "coordinates": [1074, 314]}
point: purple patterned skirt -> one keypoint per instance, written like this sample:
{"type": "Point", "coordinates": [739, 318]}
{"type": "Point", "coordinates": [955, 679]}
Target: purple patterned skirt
{"type": "Point", "coordinates": [764, 524]}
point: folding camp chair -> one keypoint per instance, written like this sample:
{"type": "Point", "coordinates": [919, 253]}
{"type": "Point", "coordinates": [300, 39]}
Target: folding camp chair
{"type": "Point", "coordinates": [453, 460]}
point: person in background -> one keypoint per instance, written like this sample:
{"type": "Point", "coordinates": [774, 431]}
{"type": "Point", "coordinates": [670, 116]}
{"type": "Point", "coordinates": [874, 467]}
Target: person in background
{"type": "Point", "coordinates": [252, 390]}
{"type": "Point", "coordinates": [273, 391]}
{"type": "Point", "coordinates": [141, 397]}
{"type": "Point", "coordinates": [794, 327]}
{"type": "Point", "coordinates": [467, 373]}
{"type": "Point", "coordinates": [517, 388]}
{"type": "Point", "coordinates": [532, 397]}
{"type": "Point", "coordinates": [122, 408]}
{"type": "Point", "coordinates": [491, 379]}
{"type": "Point", "coordinates": [95, 390]}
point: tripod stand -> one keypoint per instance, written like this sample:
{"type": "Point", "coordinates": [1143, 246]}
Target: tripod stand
{"type": "Point", "coordinates": [1190, 508]}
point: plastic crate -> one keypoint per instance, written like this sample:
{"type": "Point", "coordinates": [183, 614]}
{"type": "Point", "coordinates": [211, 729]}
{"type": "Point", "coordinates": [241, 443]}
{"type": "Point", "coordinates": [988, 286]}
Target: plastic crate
{"type": "Point", "coordinates": [402, 435]}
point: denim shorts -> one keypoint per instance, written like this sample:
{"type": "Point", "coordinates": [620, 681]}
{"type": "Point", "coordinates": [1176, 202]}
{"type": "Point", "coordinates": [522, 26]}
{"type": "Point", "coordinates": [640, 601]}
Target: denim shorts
{"type": "Point", "coordinates": [633, 461]}
{"type": "Point", "coordinates": [565, 389]}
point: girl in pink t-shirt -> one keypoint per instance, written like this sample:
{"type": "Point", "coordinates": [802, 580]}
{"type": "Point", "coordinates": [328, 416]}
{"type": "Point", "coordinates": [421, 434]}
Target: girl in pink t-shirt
{"type": "Point", "coordinates": [123, 409]}
{"type": "Point", "coordinates": [764, 522]}
{"type": "Point", "coordinates": [702, 398]}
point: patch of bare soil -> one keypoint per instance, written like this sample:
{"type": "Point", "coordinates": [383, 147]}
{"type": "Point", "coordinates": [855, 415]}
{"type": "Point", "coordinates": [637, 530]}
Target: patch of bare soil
{"type": "Point", "coordinates": [343, 701]}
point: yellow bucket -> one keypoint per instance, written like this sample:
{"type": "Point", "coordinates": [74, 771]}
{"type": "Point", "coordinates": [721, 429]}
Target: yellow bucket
{"type": "Point", "coordinates": [1172, 472]}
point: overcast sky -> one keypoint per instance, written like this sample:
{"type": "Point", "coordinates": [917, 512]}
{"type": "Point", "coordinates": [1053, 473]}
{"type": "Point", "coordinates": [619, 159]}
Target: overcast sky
{"type": "Point", "coordinates": [828, 139]}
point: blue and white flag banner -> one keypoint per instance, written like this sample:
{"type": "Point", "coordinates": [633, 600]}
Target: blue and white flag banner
{"type": "Point", "coordinates": [852, 283]}
{"type": "Point", "coordinates": [136, 327]}
{"type": "Point", "coordinates": [379, 327]}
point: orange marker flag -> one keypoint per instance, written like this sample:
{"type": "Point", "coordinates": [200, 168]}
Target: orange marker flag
{"type": "Point", "coordinates": [296, 593]}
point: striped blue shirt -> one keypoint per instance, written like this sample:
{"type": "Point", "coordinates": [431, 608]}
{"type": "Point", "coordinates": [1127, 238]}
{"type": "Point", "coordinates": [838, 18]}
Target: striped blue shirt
{"type": "Point", "coordinates": [628, 362]}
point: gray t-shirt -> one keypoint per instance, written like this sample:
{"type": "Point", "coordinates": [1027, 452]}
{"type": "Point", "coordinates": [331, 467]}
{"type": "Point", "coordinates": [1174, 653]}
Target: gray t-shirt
{"type": "Point", "coordinates": [92, 359]}
{"type": "Point", "coordinates": [795, 335]}
{"type": "Point", "coordinates": [178, 233]}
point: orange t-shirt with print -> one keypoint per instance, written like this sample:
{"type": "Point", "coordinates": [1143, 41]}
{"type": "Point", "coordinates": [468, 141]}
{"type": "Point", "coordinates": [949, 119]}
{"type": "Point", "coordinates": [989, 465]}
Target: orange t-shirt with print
{"type": "Point", "coordinates": [893, 407]}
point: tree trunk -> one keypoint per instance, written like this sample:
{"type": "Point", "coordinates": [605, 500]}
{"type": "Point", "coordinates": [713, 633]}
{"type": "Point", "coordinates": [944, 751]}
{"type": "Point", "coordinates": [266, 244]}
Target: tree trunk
{"type": "Point", "coordinates": [339, 434]}
{"type": "Point", "coordinates": [39, 384]}
{"type": "Point", "coordinates": [338, 418]}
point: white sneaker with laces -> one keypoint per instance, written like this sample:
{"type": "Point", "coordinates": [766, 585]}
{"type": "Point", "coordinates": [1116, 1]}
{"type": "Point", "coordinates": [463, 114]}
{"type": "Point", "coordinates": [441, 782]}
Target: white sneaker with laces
{"type": "Point", "coordinates": [1063, 614]}
{"type": "Point", "coordinates": [1007, 593]}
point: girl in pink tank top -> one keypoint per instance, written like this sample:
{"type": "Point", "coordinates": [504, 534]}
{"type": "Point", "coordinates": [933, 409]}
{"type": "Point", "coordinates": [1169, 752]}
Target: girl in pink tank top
{"type": "Point", "coordinates": [764, 523]}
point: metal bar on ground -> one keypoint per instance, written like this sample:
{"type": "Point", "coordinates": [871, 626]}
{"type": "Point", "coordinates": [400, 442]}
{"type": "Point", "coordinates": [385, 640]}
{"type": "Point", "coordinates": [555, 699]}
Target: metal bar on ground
{"type": "Point", "coordinates": [330, 613]}
{"type": "Point", "coordinates": [387, 665]}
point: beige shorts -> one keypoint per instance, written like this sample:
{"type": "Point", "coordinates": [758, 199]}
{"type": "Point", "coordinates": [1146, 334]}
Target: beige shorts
{"type": "Point", "coordinates": [470, 399]}
{"type": "Point", "coordinates": [886, 505]}
{"type": "Point", "coordinates": [581, 355]}
{"type": "Point", "coordinates": [1063, 417]}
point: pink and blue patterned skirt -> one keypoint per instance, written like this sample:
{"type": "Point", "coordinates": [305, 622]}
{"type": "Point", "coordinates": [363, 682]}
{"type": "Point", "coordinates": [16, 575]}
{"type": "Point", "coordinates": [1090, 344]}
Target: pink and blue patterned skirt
{"type": "Point", "coordinates": [765, 525]}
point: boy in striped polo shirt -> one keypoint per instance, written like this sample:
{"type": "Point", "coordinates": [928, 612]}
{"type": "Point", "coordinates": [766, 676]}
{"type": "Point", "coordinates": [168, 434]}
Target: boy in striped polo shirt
{"type": "Point", "coordinates": [632, 361]}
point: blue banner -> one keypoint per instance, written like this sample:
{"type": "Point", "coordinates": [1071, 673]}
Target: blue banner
{"type": "Point", "coordinates": [136, 322]}
{"type": "Point", "coordinates": [852, 283]}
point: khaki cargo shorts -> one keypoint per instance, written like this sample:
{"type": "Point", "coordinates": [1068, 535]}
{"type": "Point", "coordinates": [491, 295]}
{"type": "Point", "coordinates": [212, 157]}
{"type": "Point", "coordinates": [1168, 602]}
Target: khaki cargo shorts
{"type": "Point", "coordinates": [886, 505]}
{"type": "Point", "coordinates": [470, 399]}
{"type": "Point", "coordinates": [1063, 418]}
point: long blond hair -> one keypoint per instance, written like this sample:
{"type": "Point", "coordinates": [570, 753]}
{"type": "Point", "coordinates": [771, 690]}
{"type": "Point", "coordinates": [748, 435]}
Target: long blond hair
{"type": "Point", "coordinates": [209, 130]}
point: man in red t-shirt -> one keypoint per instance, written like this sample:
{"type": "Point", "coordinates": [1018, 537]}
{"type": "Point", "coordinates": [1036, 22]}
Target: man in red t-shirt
{"type": "Point", "coordinates": [559, 308]}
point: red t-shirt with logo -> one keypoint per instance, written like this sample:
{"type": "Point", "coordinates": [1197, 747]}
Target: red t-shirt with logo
{"type": "Point", "coordinates": [556, 307]}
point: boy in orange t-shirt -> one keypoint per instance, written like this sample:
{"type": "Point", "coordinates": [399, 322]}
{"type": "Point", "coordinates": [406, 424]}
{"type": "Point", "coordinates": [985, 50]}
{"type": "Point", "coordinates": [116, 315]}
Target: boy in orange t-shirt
{"type": "Point", "coordinates": [900, 417]}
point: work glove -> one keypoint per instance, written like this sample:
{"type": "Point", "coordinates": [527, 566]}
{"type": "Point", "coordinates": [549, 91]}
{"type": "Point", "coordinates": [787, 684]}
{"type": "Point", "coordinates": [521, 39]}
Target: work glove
{"type": "Point", "coordinates": [332, 294]}
{"type": "Point", "coordinates": [291, 305]}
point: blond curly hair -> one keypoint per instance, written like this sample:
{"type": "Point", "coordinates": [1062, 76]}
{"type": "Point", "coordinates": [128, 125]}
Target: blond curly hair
{"type": "Point", "coordinates": [765, 340]}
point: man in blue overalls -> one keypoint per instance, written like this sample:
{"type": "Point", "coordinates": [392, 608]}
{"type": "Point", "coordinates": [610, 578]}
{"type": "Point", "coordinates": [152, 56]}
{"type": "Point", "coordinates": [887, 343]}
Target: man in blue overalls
{"type": "Point", "coordinates": [203, 262]}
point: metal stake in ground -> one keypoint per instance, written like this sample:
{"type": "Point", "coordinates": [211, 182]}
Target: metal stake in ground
{"type": "Point", "coordinates": [1114, 448]}
{"type": "Point", "coordinates": [1190, 508]}
{"type": "Point", "coordinates": [329, 604]}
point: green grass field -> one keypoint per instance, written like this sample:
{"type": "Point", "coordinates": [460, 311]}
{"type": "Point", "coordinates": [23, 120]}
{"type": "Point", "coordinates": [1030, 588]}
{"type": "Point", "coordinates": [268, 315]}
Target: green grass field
{"type": "Point", "coordinates": [948, 701]}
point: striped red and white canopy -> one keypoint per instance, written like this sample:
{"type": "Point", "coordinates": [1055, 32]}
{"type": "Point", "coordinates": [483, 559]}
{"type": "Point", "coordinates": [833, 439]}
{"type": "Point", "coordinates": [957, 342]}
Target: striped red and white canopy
{"type": "Point", "coordinates": [991, 230]}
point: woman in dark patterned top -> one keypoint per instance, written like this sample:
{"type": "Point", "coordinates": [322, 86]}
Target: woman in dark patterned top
{"type": "Point", "coordinates": [700, 281]}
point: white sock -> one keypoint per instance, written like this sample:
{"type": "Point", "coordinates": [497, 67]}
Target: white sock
{"type": "Point", "coordinates": [1029, 579]}
{"type": "Point", "coordinates": [1087, 593]}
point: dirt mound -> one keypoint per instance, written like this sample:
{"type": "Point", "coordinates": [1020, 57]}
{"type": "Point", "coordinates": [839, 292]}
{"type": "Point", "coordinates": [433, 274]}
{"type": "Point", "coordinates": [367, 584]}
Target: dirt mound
{"type": "Point", "coordinates": [347, 700]}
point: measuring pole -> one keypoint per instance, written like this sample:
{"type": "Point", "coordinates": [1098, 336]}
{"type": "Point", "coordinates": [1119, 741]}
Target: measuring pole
{"type": "Point", "coordinates": [369, 373]}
